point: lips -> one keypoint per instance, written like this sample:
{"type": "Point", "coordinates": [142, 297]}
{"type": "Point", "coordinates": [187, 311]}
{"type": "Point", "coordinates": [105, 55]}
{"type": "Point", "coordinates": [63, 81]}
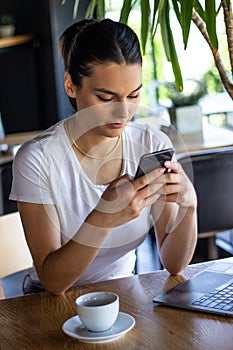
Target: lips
{"type": "Point", "coordinates": [117, 125]}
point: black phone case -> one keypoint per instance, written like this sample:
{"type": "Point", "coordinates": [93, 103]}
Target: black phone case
{"type": "Point", "coordinates": [154, 160]}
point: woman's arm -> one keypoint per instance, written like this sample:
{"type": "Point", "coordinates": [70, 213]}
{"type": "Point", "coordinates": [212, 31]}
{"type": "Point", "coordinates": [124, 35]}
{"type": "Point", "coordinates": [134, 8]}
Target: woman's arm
{"type": "Point", "coordinates": [175, 216]}
{"type": "Point", "coordinates": [58, 267]}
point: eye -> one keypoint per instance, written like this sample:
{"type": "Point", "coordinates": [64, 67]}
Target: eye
{"type": "Point", "coordinates": [104, 99]}
{"type": "Point", "coordinates": [133, 97]}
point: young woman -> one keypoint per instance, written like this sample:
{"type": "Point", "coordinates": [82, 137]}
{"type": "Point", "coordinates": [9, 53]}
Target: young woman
{"type": "Point", "coordinates": [82, 211]}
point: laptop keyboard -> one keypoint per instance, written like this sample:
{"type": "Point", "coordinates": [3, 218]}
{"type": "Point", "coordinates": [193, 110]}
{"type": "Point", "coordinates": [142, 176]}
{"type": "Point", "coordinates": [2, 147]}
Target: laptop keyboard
{"type": "Point", "coordinates": [218, 299]}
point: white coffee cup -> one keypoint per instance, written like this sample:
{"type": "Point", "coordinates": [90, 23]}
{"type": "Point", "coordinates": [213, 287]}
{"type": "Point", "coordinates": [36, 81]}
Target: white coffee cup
{"type": "Point", "coordinates": [98, 311]}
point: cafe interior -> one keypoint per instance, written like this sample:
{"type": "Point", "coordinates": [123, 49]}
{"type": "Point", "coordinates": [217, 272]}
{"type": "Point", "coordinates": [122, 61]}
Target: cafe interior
{"type": "Point", "coordinates": [32, 98]}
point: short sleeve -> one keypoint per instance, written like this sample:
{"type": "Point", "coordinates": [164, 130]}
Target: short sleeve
{"type": "Point", "coordinates": [31, 175]}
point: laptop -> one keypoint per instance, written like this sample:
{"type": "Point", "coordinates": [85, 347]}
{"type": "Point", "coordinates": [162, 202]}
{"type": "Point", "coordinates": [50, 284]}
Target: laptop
{"type": "Point", "coordinates": [208, 291]}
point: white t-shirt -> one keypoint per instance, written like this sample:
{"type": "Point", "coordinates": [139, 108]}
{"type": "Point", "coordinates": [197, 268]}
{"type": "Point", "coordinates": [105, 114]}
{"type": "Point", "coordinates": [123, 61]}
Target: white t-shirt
{"type": "Point", "coordinates": [46, 171]}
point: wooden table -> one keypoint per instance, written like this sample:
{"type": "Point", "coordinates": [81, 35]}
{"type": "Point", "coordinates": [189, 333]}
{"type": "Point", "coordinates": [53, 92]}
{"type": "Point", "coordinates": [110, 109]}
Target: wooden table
{"type": "Point", "coordinates": [13, 141]}
{"type": "Point", "coordinates": [209, 137]}
{"type": "Point", "coordinates": [19, 137]}
{"type": "Point", "coordinates": [15, 40]}
{"type": "Point", "coordinates": [35, 321]}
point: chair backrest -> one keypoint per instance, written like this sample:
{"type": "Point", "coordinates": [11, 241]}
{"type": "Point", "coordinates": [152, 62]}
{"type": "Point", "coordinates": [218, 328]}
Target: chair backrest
{"type": "Point", "coordinates": [6, 205]}
{"type": "Point", "coordinates": [212, 175]}
{"type": "Point", "coordinates": [14, 252]}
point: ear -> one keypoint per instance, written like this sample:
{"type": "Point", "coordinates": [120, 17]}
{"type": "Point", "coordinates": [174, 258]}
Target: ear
{"type": "Point", "coordinates": [69, 86]}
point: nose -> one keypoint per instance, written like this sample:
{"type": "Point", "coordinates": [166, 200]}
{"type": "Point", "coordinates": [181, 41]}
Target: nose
{"type": "Point", "coordinates": [121, 110]}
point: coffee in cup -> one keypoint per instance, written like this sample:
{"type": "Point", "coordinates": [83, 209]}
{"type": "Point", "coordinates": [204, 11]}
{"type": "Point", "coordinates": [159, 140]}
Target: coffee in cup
{"type": "Point", "coordinates": [98, 311]}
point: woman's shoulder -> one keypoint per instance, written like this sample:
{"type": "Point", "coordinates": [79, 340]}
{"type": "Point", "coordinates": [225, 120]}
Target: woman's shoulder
{"type": "Point", "coordinates": [47, 139]}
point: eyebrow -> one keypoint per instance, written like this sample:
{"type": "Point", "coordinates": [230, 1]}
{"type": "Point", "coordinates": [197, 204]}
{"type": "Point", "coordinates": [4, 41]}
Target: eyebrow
{"type": "Point", "coordinates": [106, 91]}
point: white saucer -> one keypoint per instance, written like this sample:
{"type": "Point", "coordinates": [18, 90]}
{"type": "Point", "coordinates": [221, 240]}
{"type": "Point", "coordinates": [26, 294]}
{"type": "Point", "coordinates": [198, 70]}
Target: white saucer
{"type": "Point", "coordinates": [75, 328]}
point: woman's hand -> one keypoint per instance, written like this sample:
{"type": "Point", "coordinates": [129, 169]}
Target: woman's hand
{"type": "Point", "coordinates": [178, 187]}
{"type": "Point", "coordinates": [124, 199]}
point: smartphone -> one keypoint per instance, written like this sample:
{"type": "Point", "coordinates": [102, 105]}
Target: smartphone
{"type": "Point", "coordinates": [154, 160]}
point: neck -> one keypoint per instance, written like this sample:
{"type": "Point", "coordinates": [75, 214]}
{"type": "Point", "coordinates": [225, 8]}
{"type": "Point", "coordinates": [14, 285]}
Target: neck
{"type": "Point", "coordinates": [98, 150]}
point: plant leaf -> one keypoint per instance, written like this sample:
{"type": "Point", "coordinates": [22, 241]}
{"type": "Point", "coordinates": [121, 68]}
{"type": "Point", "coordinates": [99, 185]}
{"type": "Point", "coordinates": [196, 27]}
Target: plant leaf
{"type": "Point", "coordinates": [210, 12]}
{"type": "Point", "coordinates": [228, 3]}
{"type": "Point", "coordinates": [145, 22]}
{"type": "Point", "coordinates": [162, 20]}
{"type": "Point", "coordinates": [199, 9]}
{"type": "Point", "coordinates": [101, 9]}
{"type": "Point", "coordinates": [155, 9]}
{"type": "Point", "coordinates": [125, 10]}
{"type": "Point", "coordinates": [91, 9]}
{"type": "Point", "coordinates": [168, 43]}
{"type": "Point", "coordinates": [174, 60]}
{"type": "Point", "coordinates": [176, 9]}
{"type": "Point", "coordinates": [75, 9]}
{"type": "Point", "coordinates": [185, 19]}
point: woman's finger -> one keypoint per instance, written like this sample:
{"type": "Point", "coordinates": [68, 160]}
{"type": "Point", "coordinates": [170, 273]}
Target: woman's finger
{"type": "Point", "coordinates": [146, 179]}
{"type": "Point", "coordinates": [173, 167]}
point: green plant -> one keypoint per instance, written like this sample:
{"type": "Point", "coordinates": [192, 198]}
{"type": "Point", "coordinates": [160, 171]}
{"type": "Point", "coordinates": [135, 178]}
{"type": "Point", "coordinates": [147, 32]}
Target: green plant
{"type": "Point", "coordinates": [213, 81]}
{"type": "Point", "coordinates": [6, 19]}
{"type": "Point", "coordinates": [193, 90]}
{"type": "Point", "coordinates": [157, 14]}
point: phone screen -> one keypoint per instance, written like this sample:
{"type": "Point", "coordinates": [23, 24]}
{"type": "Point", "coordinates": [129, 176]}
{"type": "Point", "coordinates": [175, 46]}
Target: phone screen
{"type": "Point", "coordinates": [154, 160]}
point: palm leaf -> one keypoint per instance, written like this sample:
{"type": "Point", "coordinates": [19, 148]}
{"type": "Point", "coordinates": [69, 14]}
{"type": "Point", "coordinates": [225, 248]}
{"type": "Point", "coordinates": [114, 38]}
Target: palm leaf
{"type": "Point", "coordinates": [160, 11]}
{"type": "Point", "coordinates": [228, 3]}
{"type": "Point", "coordinates": [185, 19]}
{"type": "Point", "coordinates": [176, 9]}
{"type": "Point", "coordinates": [75, 9]}
{"type": "Point", "coordinates": [199, 9]}
{"type": "Point", "coordinates": [125, 10]}
{"type": "Point", "coordinates": [154, 12]}
{"type": "Point", "coordinates": [145, 22]}
{"type": "Point", "coordinates": [211, 21]}
{"type": "Point", "coordinates": [101, 9]}
{"type": "Point", "coordinates": [168, 42]}
{"type": "Point", "coordinates": [174, 59]}
{"type": "Point", "coordinates": [91, 9]}
{"type": "Point", "coordinates": [162, 20]}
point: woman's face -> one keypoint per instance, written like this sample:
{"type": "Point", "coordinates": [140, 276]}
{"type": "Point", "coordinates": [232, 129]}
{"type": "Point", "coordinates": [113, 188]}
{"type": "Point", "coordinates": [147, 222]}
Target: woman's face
{"type": "Point", "coordinates": [110, 96]}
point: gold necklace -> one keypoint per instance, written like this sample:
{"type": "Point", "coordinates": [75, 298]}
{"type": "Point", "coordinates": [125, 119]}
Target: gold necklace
{"type": "Point", "coordinates": [96, 157]}
{"type": "Point", "coordinates": [88, 154]}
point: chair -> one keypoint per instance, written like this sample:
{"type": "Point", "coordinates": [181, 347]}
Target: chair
{"type": "Point", "coordinates": [14, 252]}
{"type": "Point", "coordinates": [212, 175]}
{"type": "Point", "coordinates": [6, 205]}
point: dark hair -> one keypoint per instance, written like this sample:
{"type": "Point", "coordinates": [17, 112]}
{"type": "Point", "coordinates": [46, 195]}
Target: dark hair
{"type": "Point", "coordinates": [90, 42]}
